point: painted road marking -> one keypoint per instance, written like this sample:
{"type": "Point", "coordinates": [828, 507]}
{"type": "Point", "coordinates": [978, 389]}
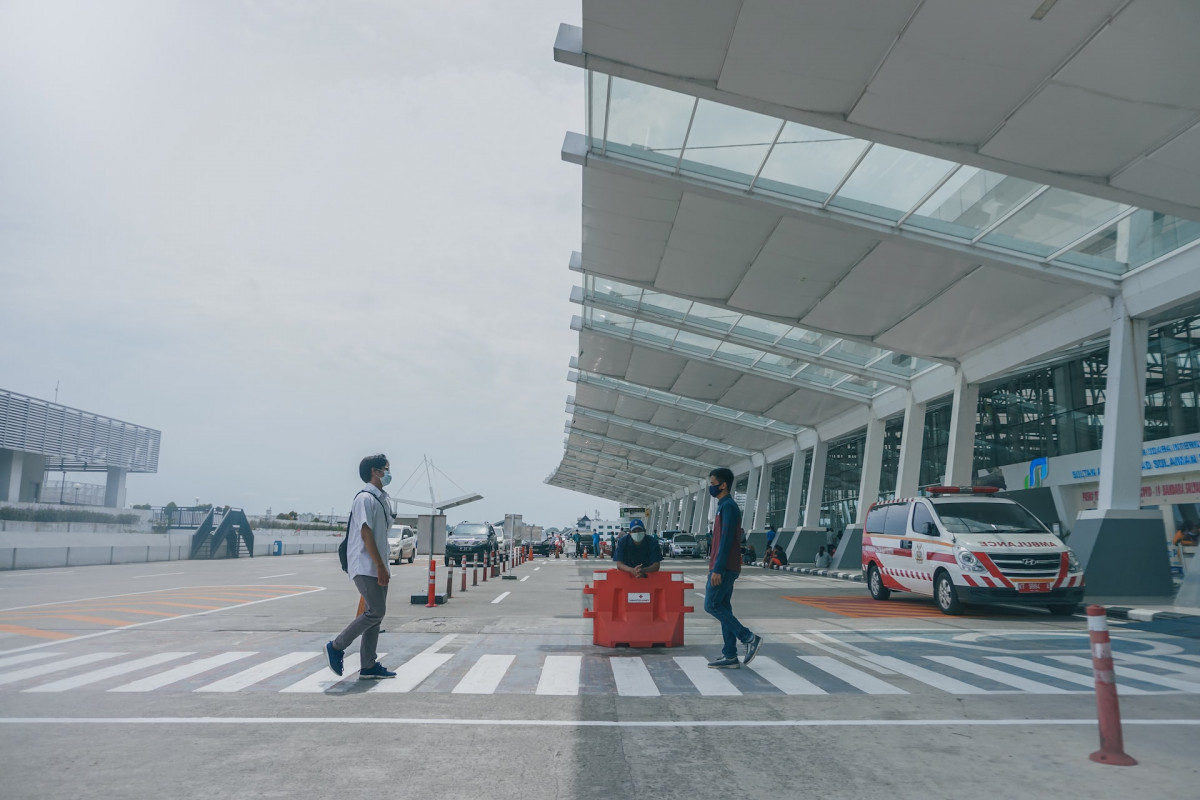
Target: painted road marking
{"type": "Point", "coordinates": [1136, 674]}
{"type": "Point", "coordinates": [35, 633]}
{"type": "Point", "coordinates": [281, 575]}
{"type": "Point", "coordinates": [162, 679]}
{"type": "Point", "coordinates": [410, 674]}
{"type": "Point", "coordinates": [57, 666]}
{"type": "Point", "coordinates": [440, 643]}
{"type": "Point", "coordinates": [632, 678]}
{"type": "Point", "coordinates": [501, 597]}
{"type": "Point", "coordinates": [595, 723]}
{"type": "Point", "coordinates": [709, 682]}
{"type": "Point", "coordinates": [860, 660]}
{"type": "Point", "coordinates": [157, 575]}
{"type": "Point", "coordinates": [27, 657]}
{"type": "Point", "coordinates": [860, 680]}
{"type": "Point", "coordinates": [1059, 674]}
{"type": "Point", "coordinates": [999, 676]}
{"type": "Point", "coordinates": [255, 674]}
{"type": "Point", "coordinates": [782, 678]}
{"type": "Point", "coordinates": [560, 675]}
{"type": "Point", "coordinates": [928, 677]}
{"type": "Point", "coordinates": [104, 673]}
{"type": "Point", "coordinates": [1188, 672]}
{"type": "Point", "coordinates": [524, 579]}
{"type": "Point", "coordinates": [485, 675]}
{"type": "Point", "coordinates": [325, 679]}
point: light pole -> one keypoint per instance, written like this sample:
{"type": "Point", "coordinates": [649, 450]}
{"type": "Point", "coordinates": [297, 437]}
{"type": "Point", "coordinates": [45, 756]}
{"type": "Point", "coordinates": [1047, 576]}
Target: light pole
{"type": "Point", "coordinates": [76, 494]}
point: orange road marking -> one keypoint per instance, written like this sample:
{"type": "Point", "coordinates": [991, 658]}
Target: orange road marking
{"type": "Point", "coordinates": [182, 605]}
{"type": "Point", "coordinates": [34, 632]}
{"type": "Point", "coordinates": [98, 620]}
{"type": "Point", "coordinates": [143, 611]}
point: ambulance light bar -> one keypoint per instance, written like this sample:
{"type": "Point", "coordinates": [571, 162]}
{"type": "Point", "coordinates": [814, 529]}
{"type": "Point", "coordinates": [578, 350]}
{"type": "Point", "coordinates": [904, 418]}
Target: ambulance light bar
{"type": "Point", "coordinates": [936, 490]}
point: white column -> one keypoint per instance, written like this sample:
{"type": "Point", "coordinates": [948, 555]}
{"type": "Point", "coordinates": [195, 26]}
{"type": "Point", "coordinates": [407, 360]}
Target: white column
{"type": "Point", "coordinates": [872, 466]}
{"type": "Point", "coordinates": [685, 510]}
{"type": "Point", "coordinates": [700, 512]}
{"type": "Point", "coordinates": [1124, 410]}
{"type": "Point", "coordinates": [114, 488]}
{"type": "Point", "coordinates": [960, 454]}
{"type": "Point", "coordinates": [816, 486]}
{"type": "Point", "coordinates": [15, 466]}
{"type": "Point", "coordinates": [795, 498]}
{"type": "Point", "coordinates": [763, 504]}
{"type": "Point", "coordinates": [752, 481]}
{"type": "Point", "coordinates": [912, 439]}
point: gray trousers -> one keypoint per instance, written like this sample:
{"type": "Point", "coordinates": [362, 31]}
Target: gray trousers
{"type": "Point", "coordinates": [367, 624]}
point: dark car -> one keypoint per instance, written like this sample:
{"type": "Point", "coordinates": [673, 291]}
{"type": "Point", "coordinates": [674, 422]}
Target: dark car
{"type": "Point", "coordinates": [470, 540]}
{"type": "Point", "coordinates": [543, 548]}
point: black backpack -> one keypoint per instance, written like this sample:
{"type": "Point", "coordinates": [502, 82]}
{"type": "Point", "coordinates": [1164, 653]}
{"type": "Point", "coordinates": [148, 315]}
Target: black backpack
{"type": "Point", "coordinates": [342, 556]}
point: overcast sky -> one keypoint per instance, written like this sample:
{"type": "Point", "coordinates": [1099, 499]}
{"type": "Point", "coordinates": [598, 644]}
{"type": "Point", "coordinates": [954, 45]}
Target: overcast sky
{"type": "Point", "coordinates": [289, 234]}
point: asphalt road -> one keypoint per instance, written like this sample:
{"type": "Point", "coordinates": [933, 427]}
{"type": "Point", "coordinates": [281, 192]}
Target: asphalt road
{"type": "Point", "coordinates": [190, 679]}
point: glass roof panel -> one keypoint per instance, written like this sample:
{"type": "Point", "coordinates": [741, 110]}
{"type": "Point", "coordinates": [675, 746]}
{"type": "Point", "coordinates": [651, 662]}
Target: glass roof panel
{"type": "Point", "coordinates": [611, 320]}
{"type": "Point", "coordinates": [659, 333]}
{"type": "Point", "coordinates": [668, 305]}
{"type": "Point", "coordinates": [808, 163]}
{"type": "Point", "coordinates": [701, 345]}
{"type": "Point", "coordinates": [901, 364]}
{"type": "Point", "coordinates": [599, 107]}
{"type": "Point", "coordinates": [712, 317]}
{"type": "Point", "coordinates": [861, 385]}
{"type": "Point", "coordinates": [890, 181]}
{"type": "Point", "coordinates": [728, 143]}
{"type": "Point", "coordinates": [737, 353]}
{"type": "Point", "coordinates": [972, 200]}
{"type": "Point", "coordinates": [854, 352]}
{"type": "Point", "coordinates": [1052, 221]}
{"type": "Point", "coordinates": [807, 341]}
{"type": "Point", "coordinates": [762, 329]}
{"type": "Point", "coordinates": [780, 364]}
{"type": "Point", "coordinates": [647, 122]}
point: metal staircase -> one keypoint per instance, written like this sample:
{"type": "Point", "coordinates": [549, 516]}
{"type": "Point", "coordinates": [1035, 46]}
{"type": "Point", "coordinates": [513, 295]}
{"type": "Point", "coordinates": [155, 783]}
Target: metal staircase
{"type": "Point", "coordinates": [223, 534]}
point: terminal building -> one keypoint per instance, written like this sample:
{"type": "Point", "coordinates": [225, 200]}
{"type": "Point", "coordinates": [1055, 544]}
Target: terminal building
{"type": "Point", "coordinates": [39, 438]}
{"type": "Point", "coordinates": [853, 250]}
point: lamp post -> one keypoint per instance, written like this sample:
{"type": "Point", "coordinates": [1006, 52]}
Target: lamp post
{"type": "Point", "coordinates": [76, 495]}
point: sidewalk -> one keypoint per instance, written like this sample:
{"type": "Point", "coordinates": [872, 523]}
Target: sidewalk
{"type": "Point", "coordinates": [1115, 608]}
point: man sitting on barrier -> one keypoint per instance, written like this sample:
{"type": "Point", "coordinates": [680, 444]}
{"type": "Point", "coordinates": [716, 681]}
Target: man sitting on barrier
{"type": "Point", "coordinates": [637, 553]}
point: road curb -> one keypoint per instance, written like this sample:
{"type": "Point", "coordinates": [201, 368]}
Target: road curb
{"type": "Point", "coordinates": [1112, 612]}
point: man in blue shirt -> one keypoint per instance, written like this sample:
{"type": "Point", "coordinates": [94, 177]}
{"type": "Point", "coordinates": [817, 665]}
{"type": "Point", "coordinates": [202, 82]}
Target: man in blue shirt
{"type": "Point", "coordinates": [637, 553]}
{"type": "Point", "coordinates": [724, 567]}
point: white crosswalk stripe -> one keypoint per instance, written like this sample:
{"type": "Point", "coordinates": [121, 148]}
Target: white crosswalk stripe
{"type": "Point", "coordinates": [485, 675]}
{"type": "Point", "coordinates": [1137, 674]}
{"type": "Point", "coordinates": [863, 681]}
{"type": "Point", "coordinates": [25, 658]}
{"type": "Point", "coordinates": [179, 673]}
{"type": "Point", "coordinates": [709, 682]}
{"type": "Point", "coordinates": [258, 673]}
{"type": "Point", "coordinates": [782, 678]}
{"type": "Point", "coordinates": [999, 676]}
{"type": "Point", "coordinates": [1191, 673]}
{"type": "Point", "coordinates": [560, 675]}
{"type": "Point", "coordinates": [632, 677]}
{"type": "Point", "coordinates": [325, 679]}
{"type": "Point", "coordinates": [411, 673]}
{"type": "Point", "coordinates": [935, 679]}
{"type": "Point", "coordinates": [104, 673]}
{"type": "Point", "coordinates": [57, 666]}
{"type": "Point", "coordinates": [1055, 672]}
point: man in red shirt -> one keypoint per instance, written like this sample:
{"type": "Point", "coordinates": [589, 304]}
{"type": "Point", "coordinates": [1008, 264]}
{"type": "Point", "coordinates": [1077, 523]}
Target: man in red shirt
{"type": "Point", "coordinates": [724, 567]}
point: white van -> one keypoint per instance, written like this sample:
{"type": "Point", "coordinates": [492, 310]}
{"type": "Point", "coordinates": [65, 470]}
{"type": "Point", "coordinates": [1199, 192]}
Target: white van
{"type": "Point", "coordinates": [960, 545]}
{"type": "Point", "coordinates": [402, 544]}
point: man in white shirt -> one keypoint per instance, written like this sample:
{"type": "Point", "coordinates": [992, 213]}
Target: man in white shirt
{"type": "Point", "coordinates": [367, 541]}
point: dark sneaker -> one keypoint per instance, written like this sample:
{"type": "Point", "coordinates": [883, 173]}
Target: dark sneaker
{"type": "Point", "coordinates": [725, 663]}
{"type": "Point", "coordinates": [335, 657]}
{"type": "Point", "coordinates": [752, 649]}
{"type": "Point", "coordinates": [377, 671]}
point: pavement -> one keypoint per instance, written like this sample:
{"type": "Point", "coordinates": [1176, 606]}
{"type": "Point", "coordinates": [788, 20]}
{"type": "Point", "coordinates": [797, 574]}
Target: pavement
{"type": "Point", "coordinates": [197, 678]}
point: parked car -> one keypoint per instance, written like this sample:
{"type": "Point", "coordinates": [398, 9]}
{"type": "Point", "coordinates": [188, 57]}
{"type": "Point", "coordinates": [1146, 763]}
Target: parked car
{"type": "Point", "coordinates": [664, 539]}
{"type": "Point", "coordinates": [543, 548]}
{"type": "Point", "coordinates": [470, 540]}
{"type": "Point", "coordinates": [402, 544]}
{"type": "Point", "coordinates": [684, 546]}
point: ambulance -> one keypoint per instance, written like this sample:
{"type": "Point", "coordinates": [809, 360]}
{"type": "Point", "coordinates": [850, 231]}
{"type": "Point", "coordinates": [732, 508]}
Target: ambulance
{"type": "Point", "coordinates": [963, 546]}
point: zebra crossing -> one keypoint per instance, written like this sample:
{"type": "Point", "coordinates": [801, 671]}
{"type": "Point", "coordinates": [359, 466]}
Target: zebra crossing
{"type": "Point", "coordinates": [780, 669]}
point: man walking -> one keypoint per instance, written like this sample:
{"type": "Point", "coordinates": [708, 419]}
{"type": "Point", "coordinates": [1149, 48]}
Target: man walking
{"type": "Point", "coordinates": [366, 542]}
{"type": "Point", "coordinates": [724, 567]}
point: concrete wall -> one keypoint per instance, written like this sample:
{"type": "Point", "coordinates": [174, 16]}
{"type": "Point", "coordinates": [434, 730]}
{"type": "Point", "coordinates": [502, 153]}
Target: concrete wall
{"type": "Point", "coordinates": [49, 549]}
{"type": "Point", "coordinates": [20, 526]}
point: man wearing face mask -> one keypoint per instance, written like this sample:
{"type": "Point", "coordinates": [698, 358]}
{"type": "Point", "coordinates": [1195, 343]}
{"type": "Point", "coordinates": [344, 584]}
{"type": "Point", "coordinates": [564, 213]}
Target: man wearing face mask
{"type": "Point", "coordinates": [637, 553]}
{"type": "Point", "coordinates": [370, 521]}
{"type": "Point", "coordinates": [725, 565]}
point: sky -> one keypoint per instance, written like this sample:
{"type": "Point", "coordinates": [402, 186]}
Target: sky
{"type": "Point", "coordinates": [292, 234]}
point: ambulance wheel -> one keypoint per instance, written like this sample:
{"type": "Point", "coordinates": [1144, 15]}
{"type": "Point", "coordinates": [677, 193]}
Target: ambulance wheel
{"type": "Point", "coordinates": [946, 595]}
{"type": "Point", "coordinates": [875, 584]}
{"type": "Point", "coordinates": [1062, 609]}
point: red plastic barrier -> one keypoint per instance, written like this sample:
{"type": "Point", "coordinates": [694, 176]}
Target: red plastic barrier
{"type": "Point", "coordinates": [637, 612]}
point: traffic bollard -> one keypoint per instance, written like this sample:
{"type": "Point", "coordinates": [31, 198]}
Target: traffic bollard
{"type": "Point", "coordinates": [485, 567]}
{"type": "Point", "coordinates": [432, 584]}
{"type": "Point", "coordinates": [1108, 710]}
{"type": "Point", "coordinates": [474, 569]}
{"type": "Point", "coordinates": [504, 563]}
{"type": "Point", "coordinates": [464, 574]}
{"type": "Point", "coordinates": [450, 580]}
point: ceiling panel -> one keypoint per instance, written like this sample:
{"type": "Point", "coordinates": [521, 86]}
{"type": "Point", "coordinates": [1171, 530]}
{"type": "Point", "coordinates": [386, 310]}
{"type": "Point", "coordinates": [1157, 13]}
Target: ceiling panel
{"type": "Point", "coordinates": [704, 382]}
{"type": "Point", "coordinates": [678, 37]}
{"type": "Point", "coordinates": [808, 408]}
{"type": "Point", "coordinates": [604, 354]}
{"type": "Point", "coordinates": [653, 368]}
{"type": "Point", "coordinates": [632, 408]}
{"type": "Point", "coordinates": [754, 394]}
{"type": "Point", "coordinates": [591, 397]}
{"type": "Point", "coordinates": [1172, 172]}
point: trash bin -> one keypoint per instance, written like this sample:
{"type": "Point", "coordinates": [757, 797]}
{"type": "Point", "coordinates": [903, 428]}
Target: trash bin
{"type": "Point", "coordinates": [277, 549]}
{"type": "Point", "coordinates": [636, 612]}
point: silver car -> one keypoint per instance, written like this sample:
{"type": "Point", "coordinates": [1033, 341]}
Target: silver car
{"type": "Point", "coordinates": [684, 545]}
{"type": "Point", "coordinates": [402, 544]}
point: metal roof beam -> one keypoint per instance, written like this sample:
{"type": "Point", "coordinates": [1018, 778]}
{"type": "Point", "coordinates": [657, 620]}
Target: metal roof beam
{"type": "Point", "coordinates": [636, 448]}
{"type": "Point", "coordinates": [655, 430]}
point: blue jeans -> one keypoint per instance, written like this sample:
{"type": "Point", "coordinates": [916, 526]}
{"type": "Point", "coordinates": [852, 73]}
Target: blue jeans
{"type": "Point", "coordinates": [717, 602]}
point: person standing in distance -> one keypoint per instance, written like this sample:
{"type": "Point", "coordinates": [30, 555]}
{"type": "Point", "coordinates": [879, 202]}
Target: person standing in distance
{"type": "Point", "coordinates": [370, 520]}
{"type": "Point", "coordinates": [724, 567]}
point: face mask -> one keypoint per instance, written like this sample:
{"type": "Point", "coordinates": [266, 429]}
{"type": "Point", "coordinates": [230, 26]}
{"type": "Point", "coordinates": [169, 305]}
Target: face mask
{"type": "Point", "coordinates": [714, 490]}
{"type": "Point", "coordinates": [386, 479]}
{"type": "Point", "coordinates": [638, 536]}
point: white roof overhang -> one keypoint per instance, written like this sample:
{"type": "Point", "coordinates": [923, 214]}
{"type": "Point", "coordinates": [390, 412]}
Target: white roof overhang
{"type": "Point", "coordinates": [1096, 96]}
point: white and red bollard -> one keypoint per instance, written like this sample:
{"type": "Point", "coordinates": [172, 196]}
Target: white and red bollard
{"type": "Point", "coordinates": [464, 573]}
{"type": "Point", "coordinates": [474, 569]}
{"type": "Point", "coordinates": [1108, 710]}
{"type": "Point", "coordinates": [432, 583]}
{"type": "Point", "coordinates": [450, 580]}
{"type": "Point", "coordinates": [486, 568]}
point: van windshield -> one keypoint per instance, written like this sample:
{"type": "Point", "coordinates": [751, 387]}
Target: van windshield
{"type": "Point", "coordinates": [984, 517]}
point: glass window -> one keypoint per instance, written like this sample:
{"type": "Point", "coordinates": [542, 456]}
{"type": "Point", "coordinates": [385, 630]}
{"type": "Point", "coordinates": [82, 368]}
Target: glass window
{"type": "Point", "coordinates": [647, 122]}
{"type": "Point", "coordinates": [922, 520]}
{"type": "Point", "coordinates": [876, 520]}
{"type": "Point", "coordinates": [599, 91]}
{"type": "Point", "coordinates": [890, 181]}
{"type": "Point", "coordinates": [808, 163]}
{"type": "Point", "coordinates": [972, 200]}
{"type": "Point", "coordinates": [975, 516]}
{"type": "Point", "coordinates": [728, 143]}
{"type": "Point", "coordinates": [1052, 221]}
{"type": "Point", "coordinates": [896, 522]}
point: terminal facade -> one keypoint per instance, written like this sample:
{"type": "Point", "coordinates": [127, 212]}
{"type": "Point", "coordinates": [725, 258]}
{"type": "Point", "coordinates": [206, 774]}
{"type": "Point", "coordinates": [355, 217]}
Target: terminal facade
{"type": "Point", "coordinates": [890, 251]}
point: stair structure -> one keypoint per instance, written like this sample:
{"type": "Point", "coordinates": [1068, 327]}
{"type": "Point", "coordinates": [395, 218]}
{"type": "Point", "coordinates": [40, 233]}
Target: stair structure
{"type": "Point", "coordinates": [223, 534]}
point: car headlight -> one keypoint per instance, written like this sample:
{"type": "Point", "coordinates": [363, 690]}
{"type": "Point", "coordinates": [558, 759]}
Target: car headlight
{"type": "Point", "coordinates": [1073, 564]}
{"type": "Point", "coordinates": [967, 560]}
